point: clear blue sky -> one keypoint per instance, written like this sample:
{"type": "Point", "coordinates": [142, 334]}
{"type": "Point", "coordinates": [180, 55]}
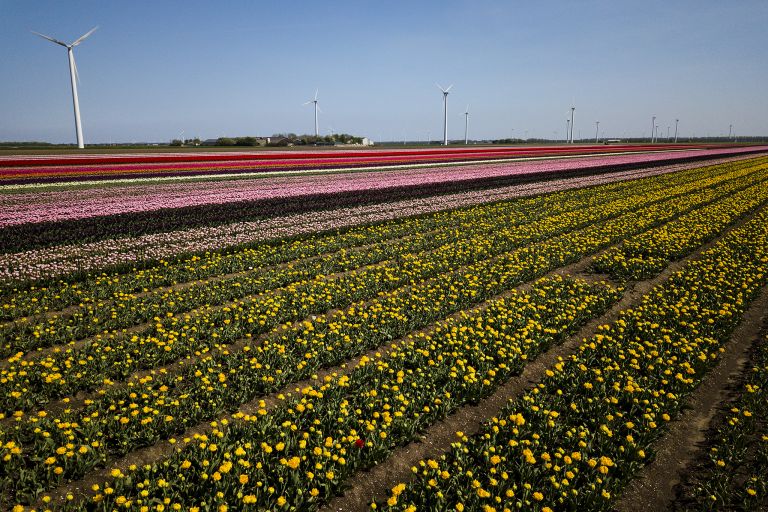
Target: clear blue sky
{"type": "Point", "coordinates": [155, 68]}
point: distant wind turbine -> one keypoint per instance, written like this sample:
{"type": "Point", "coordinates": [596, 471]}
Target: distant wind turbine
{"type": "Point", "coordinates": [572, 110]}
{"type": "Point", "coordinates": [73, 77]}
{"type": "Point", "coordinates": [466, 126]}
{"type": "Point", "coordinates": [317, 128]}
{"type": "Point", "coordinates": [445, 113]}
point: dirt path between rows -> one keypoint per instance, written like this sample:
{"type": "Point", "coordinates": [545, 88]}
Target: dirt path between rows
{"type": "Point", "coordinates": [653, 488]}
{"type": "Point", "coordinates": [375, 483]}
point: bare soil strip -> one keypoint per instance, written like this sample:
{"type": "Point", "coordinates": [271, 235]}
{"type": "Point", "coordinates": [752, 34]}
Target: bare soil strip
{"type": "Point", "coordinates": [653, 488]}
{"type": "Point", "coordinates": [368, 485]}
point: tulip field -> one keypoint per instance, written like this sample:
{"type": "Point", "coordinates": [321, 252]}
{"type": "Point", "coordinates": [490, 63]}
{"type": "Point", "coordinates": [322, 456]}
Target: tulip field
{"type": "Point", "coordinates": [489, 335]}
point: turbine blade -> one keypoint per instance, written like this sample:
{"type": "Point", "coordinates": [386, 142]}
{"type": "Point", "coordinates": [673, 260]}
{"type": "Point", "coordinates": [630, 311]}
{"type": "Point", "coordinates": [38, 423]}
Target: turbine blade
{"type": "Point", "coordinates": [307, 103]}
{"type": "Point", "coordinates": [319, 109]}
{"type": "Point", "coordinates": [50, 39]}
{"type": "Point", "coordinates": [82, 37]}
{"type": "Point", "coordinates": [439, 86]}
{"type": "Point", "coordinates": [316, 91]}
{"type": "Point", "coordinates": [449, 88]}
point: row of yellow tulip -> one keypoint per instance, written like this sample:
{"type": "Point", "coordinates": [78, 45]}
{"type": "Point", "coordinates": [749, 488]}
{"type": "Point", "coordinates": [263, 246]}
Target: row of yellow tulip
{"type": "Point", "coordinates": [647, 254]}
{"type": "Point", "coordinates": [734, 474]}
{"type": "Point", "coordinates": [575, 439]}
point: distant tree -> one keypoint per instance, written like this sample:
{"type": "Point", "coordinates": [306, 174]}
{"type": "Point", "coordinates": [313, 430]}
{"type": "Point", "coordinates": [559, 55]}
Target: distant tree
{"type": "Point", "coordinates": [246, 141]}
{"type": "Point", "coordinates": [177, 142]}
{"type": "Point", "coordinates": [225, 141]}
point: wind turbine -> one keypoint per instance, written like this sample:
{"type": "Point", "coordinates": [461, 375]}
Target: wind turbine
{"type": "Point", "coordinates": [653, 127]}
{"type": "Point", "coordinates": [445, 113]}
{"type": "Point", "coordinates": [572, 110]}
{"type": "Point", "coordinates": [317, 128]}
{"type": "Point", "coordinates": [466, 126]}
{"type": "Point", "coordinates": [676, 121]}
{"type": "Point", "coordinates": [597, 131]}
{"type": "Point", "coordinates": [73, 77]}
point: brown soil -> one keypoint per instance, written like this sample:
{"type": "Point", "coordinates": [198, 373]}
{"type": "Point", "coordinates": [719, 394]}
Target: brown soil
{"type": "Point", "coordinates": [653, 488]}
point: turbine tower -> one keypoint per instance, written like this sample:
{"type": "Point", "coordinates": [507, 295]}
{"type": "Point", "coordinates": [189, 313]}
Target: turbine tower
{"type": "Point", "coordinates": [317, 128]}
{"type": "Point", "coordinates": [676, 121]}
{"type": "Point", "coordinates": [653, 128]}
{"type": "Point", "coordinates": [572, 110]}
{"type": "Point", "coordinates": [73, 77]}
{"type": "Point", "coordinates": [445, 113]}
{"type": "Point", "coordinates": [597, 131]}
{"type": "Point", "coordinates": [466, 126]}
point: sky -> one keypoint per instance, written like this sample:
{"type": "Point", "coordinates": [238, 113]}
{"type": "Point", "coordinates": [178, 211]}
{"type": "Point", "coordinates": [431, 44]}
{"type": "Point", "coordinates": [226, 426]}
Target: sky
{"type": "Point", "coordinates": [155, 69]}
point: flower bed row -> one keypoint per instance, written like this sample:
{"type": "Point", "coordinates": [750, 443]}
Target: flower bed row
{"type": "Point", "coordinates": [648, 254]}
{"type": "Point", "coordinates": [145, 250]}
{"type": "Point", "coordinates": [296, 197]}
{"type": "Point", "coordinates": [117, 356]}
{"type": "Point", "coordinates": [733, 474]}
{"type": "Point", "coordinates": [300, 453]}
{"type": "Point", "coordinates": [575, 439]}
{"type": "Point", "coordinates": [157, 160]}
{"type": "Point", "coordinates": [161, 405]}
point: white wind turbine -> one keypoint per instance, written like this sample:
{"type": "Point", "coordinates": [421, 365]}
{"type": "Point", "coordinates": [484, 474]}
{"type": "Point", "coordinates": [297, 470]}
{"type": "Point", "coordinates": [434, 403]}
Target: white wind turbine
{"type": "Point", "coordinates": [445, 113]}
{"type": "Point", "coordinates": [73, 76]}
{"type": "Point", "coordinates": [317, 129]}
{"type": "Point", "coordinates": [466, 126]}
